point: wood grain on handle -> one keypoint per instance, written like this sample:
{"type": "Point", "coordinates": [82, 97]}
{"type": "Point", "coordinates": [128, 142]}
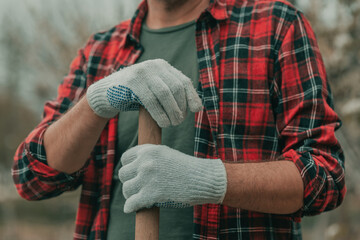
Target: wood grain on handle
{"type": "Point", "coordinates": [147, 220]}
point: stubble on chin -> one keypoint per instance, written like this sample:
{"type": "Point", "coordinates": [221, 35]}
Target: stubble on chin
{"type": "Point", "coordinates": [171, 5]}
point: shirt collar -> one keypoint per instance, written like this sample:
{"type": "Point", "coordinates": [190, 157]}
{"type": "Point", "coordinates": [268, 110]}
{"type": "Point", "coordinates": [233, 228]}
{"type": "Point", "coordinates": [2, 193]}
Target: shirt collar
{"type": "Point", "coordinates": [216, 8]}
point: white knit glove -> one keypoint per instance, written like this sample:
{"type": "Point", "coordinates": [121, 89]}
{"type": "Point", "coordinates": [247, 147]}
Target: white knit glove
{"type": "Point", "coordinates": [156, 175]}
{"type": "Point", "coordinates": [163, 90]}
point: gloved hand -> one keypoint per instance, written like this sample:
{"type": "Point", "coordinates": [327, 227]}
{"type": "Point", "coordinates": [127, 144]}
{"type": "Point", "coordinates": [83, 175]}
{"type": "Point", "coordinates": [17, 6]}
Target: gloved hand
{"type": "Point", "coordinates": [156, 175]}
{"type": "Point", "coordinates": [163, 90]}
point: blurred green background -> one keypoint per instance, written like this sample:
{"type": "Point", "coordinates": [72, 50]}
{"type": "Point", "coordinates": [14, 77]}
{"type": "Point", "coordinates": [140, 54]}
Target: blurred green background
{"type": "Point", "coordinates": [38, 40]}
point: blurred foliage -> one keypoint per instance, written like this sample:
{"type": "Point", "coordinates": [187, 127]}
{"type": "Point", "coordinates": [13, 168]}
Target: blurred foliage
{"type": "Point", "coordinates": [37, 48]}
{"type": "Point", "coordinates": [37, 44]}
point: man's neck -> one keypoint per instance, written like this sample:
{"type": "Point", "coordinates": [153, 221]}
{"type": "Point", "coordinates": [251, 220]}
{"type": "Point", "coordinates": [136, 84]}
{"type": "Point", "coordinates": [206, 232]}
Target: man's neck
{"type": "Point", "coordinates": [167, 13]}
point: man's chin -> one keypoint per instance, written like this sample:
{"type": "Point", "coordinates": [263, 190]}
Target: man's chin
{"type": "Point", "coordinates": [171, 5]}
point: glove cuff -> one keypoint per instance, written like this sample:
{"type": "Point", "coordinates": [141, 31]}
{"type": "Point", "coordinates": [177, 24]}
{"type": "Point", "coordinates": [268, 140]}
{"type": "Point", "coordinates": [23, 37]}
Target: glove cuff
{"type": "Point", "coordinates": [210, 180]}
{"type": "Point", "coordinates": [97, 99]}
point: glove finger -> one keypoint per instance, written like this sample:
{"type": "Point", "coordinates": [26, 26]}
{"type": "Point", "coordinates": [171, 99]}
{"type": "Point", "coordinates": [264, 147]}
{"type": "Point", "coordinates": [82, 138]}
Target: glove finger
{"type": "Point", "coordinates": [130, 167]}
{"type": "Point", "coordinates": [136, 202]}
{"type": "Point", "coordinates": [180, 97]}
{"type": "Point", "coordinates": [127, 172]}
{"type": "Point", "coordinates": [131, 187]}
{"type": "Point", "coordinates": [193, 99]}
{"type": "Point", "coordinates": [128, 156]}
{"type": "Point", "coordinates": [156, 110]}
{"type": "Point", "coordinates": [151, 103]}
{"type": "Point", "coordinates": [167, 101]}
{"type": "Point", "coordinates": [173, 77]}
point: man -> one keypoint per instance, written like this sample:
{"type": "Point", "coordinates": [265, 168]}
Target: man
{"type": "Point", "coordinates": [264, 150]}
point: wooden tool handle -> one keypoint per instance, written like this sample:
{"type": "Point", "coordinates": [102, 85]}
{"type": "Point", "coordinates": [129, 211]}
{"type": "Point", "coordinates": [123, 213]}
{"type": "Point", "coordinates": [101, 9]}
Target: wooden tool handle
{"type": "Point", "coordinates": [147, 220]}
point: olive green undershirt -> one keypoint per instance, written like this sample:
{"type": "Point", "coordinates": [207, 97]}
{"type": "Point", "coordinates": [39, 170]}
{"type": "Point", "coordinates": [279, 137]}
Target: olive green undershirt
{"type": "Point", "coordinates": [177, 46]}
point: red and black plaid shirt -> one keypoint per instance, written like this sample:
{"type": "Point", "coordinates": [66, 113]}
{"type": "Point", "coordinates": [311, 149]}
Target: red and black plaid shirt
{"type": "Point", "coordinates": [265, 96]}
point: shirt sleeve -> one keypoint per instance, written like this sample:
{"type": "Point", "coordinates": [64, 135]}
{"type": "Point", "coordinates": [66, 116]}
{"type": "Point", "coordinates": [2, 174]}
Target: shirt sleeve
{"type": "Point", "coordinates": [306, 119]}
{"type": "Point", "coordinates": [33, 178]}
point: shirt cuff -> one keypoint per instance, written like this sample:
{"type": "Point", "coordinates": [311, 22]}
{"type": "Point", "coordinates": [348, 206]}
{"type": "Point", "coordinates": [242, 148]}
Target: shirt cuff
{"type": "Point", "coordinates": [309, 172]}
{"type": "Point", "coordinates": [38, 165]}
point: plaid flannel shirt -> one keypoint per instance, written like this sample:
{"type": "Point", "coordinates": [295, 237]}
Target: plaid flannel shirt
{"type": "Point", "coordinates": [265, 96]}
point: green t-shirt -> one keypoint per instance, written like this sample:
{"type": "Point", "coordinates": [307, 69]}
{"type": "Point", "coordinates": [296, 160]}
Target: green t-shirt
{"type": "Point", "coordinates": [177, 46]}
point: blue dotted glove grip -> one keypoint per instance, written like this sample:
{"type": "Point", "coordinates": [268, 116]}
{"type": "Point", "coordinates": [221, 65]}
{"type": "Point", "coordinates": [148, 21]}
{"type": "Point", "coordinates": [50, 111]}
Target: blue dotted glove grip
{"type": "Point", "coordinates": [123, 98]}
{"type": "Point", "coordinates": [172, 204]}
